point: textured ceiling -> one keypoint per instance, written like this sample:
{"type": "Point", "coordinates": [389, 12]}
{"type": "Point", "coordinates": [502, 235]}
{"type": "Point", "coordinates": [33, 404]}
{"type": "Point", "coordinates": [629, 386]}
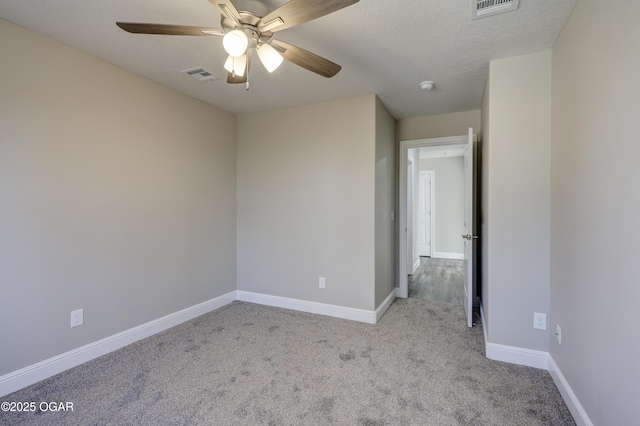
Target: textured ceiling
{"type": "Point", "coordinates": [385, 47]}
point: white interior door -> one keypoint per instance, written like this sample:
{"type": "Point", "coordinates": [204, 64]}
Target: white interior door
{"type": "Point", "coordinates": [424, 213]}
{"type": "Point", "coordinates": [469, 237]}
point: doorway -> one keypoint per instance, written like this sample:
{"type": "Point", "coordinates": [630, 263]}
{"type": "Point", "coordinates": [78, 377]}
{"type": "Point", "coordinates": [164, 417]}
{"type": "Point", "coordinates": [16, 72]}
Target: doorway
{"type": "Point", "coordinates": [446, 244]}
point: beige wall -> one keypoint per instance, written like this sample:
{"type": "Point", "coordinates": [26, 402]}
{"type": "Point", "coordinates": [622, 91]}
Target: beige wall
{"type": "Point", "coordinates": [385, 202]}
{"type": "Point", "coordinates": [516, 143]}
{"type": "Point", "coordinates": [117, 195]}
{"type": "Point", "coordinates": [306, 202]}
{"type": "Point", "coordinates": [595, 208]}
{"type": "Point", "coordinates": [438, 126]}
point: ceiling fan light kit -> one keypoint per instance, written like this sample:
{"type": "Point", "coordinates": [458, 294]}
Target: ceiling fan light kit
{"type": "Point", "coordinates": [236, 65]}
{"type": "Point", "coordinates": [251, 26]}
{"type": "Point", "coordinates": [269, 57]}
{"type": "Point", "coordinates": [235, 42]}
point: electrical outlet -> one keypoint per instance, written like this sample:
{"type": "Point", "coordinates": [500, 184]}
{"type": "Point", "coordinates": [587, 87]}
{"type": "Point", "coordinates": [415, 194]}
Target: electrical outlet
{"type": "Point", "coordinates": [559, 334]}
{"type": "Point", "coordinates": [77, 317]}
{"type": "Point", "coordinates": [322, 282]}
{"type": "Point", "coordinates": [539, 321]}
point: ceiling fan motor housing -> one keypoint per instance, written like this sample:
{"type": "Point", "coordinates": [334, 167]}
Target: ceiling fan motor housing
{"type": "Point", "coordinates": [250, 12]}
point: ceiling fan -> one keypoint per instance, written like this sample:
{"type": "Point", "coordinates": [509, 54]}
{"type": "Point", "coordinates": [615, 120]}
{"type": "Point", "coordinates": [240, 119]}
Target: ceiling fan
{"type": "Point", "coordinates": [250, 26]}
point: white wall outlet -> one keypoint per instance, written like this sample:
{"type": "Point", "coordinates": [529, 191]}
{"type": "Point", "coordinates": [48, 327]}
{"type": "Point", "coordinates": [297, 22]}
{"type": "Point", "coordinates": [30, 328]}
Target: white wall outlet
{"type": "Point", "coordinates": [322, 281]}
{"type": "Point", "coordinates": [539, 321]}
{"type": "Point", "coordinates": [77, 317]}
{"type": "Point", "coordinates": [559, 334]}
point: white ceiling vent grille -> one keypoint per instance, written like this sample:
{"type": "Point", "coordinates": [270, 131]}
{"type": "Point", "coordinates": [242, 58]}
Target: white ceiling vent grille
{"type": "Point", "coordinates": [484, 8]}
{"type": "Point", "coordinates": [201, 74]}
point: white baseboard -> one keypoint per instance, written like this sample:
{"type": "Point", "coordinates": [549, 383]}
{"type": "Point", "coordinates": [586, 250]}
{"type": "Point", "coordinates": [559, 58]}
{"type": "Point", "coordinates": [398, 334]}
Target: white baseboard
{"type": "Point", "coordinates": [577, 411]}
{"type": "Point", "coordinates": [513, 354]}
{"type": "Point", "coordinates": [27, 376]}
{"type": "Point", "coordinates": [484, 324]}
{"type": "Point", "coordinates": [416, 265]}
{"type": "Point", "coordinates": [516, 355]}
{"type": "Point", "coordinates": [34, 373]}
{"type": "Point", "coordinates": [353, 314]}
{"type": "Point", "coordinates": [445, 255]}
{"type": "Point", "coordinates": [385, 305]}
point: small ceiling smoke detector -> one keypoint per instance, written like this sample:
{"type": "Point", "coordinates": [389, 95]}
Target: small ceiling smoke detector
{"type": "Point", "coordinates": [200, 74]}
{"type": "Point", "coordinates": [484, 8]}
{"type": "Point", "coordinates": [427, 85]}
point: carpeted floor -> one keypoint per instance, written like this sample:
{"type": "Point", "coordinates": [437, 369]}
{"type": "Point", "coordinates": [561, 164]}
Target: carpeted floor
{"type": "Point", "coordinates": [248, 364]}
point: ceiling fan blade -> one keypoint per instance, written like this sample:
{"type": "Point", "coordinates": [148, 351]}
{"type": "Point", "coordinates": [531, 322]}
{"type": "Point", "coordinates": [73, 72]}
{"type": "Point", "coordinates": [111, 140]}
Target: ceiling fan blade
{"type": "Point", "coordinates": [306, 59]}
{"type": "Point", "coordinates": [227, 9]}
{"type": "Point", "coordinates": [296, 12]}
{"type": "Point", "coordinates": [234, 79]}
{"type": "Point", "coordinates": [138, 28]}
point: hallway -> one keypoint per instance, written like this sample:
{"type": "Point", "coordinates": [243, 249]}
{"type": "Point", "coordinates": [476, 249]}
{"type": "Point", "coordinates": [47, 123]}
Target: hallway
{"type": "Point", "coordinates": [440, 280]}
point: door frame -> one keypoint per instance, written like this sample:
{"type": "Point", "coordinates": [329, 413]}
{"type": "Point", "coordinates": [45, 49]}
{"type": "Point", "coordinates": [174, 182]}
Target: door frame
{"type": "Point", "coordinates": [402, 290]}
{"type": "Point", "coordinates": [432, 202]}
{"type": "Point", "coordinates": [410, 210]}
{"type": "Point", "coordinates": [470, 240]}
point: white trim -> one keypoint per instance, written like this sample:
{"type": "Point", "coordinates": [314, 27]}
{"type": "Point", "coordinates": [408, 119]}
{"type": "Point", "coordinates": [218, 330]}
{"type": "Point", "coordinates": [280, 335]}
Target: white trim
{"type": "Point", "coordinates": [577, 411]}
{"type": "Point", "coordinates": [19, 379]}
{"type": "Point", "coordinates": [404, 146]}
{"type": "Point", "coordinates": [484, 324]}
{"type": "Point", "coordinates": [433, 212]}
{"type": "Point", "coordinates": [515, 355]}
{"type": "Point", "coordinates": [353, 314]}
{"type": "Point", "coordinates": [27, 376]}
{"type": "Point", "coordinates": [385, 305]}
{"type": "Point", "coordinates": [512, 354]}
{"type": "Point", "coordinates": [416, 265]}
{"type": "Point", "coordinates": [410, 209]}
{"type": "Point", "coordinates": [446, 255]}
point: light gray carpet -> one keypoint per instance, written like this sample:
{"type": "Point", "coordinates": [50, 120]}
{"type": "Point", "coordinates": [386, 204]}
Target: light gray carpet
{"type": "Point", "coordinates": [248, 364]}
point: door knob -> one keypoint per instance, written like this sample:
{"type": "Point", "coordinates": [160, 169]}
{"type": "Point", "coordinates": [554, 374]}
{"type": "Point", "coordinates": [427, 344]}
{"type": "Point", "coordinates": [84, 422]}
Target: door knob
{"type": "Point", "coordinates": [470, 237]}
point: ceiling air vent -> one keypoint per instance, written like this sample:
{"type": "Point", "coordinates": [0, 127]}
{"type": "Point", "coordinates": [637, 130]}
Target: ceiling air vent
{"type": "Point", "coordinates": [201, 74]}
{"type": "Point", "coordinates": [484, 8]}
